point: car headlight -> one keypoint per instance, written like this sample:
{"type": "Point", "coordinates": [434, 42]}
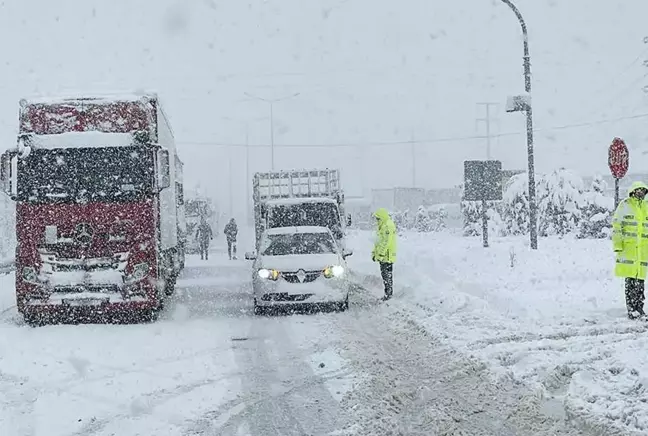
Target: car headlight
{"type": "Point", "coordinates": [333, 271]}
{"type": "Point", "coordinates": [270, 274]}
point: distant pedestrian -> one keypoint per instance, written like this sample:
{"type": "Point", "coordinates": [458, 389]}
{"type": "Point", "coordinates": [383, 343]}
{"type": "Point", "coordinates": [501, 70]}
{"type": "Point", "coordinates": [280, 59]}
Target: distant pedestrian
{"type": "Point", "coordinates": [231, 231]}
{"type": "Point", "coordinates": [384, 251]}
{"type": "Point", "coordinates": [630, 243]}
{"type": "Point", "coordinates": [204, 235]}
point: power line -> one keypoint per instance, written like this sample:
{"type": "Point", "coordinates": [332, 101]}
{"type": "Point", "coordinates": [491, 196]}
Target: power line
{"type": "Point", "coordinates": [419, 141]}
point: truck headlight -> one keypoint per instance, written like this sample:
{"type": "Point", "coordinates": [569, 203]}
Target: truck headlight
{"type": "Point", "coordinates": [140, 271]}
{"type": "Point", "coordinates": [270, 274]}
{"type": "Point", "coordinates": [29, 275]}
{"type": "Point", "coordinates": [333, 271]}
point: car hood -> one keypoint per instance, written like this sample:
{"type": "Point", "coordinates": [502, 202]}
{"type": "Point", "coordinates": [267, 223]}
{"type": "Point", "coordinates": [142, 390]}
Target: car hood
{"type": "Point", "coordinates": [295, 262]}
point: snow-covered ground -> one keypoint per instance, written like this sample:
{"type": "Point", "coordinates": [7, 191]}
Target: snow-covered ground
{"type": "Point", "coordinates": [553, 319]}
{"type": "Point", "coordinates": [209, 366]}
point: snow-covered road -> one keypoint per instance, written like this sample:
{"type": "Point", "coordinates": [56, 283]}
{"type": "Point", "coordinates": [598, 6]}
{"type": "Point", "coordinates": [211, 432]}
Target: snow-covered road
{"type": "Point", "coordinates": [210, 367]}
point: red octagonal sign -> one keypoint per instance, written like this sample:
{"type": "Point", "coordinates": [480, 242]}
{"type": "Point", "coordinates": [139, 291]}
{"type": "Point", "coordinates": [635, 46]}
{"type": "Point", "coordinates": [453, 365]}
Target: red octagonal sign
{"type": "Point", "coordinates": [618, 158]}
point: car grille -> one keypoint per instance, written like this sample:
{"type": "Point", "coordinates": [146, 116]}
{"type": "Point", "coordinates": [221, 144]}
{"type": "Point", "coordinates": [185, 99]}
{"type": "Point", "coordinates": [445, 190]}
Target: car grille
{"type": "Point", "coordinates": [283, 296]}
{"type": "Point", "coordinates": [291, 277]}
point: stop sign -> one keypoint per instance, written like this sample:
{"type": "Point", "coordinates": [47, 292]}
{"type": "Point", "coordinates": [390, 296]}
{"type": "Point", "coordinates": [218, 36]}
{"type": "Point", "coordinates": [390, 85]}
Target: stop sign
{"type": "Point", "coordinates": [618, 158]}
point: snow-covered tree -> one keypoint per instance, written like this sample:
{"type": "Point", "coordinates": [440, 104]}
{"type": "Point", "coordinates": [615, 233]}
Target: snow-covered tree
{"type": "Point", "coordinates": [423, 221]}
{"type": "Point", "coordinates": [596, 211]}
{"type": "Point", "coordinates": [515, 205]}
{"type": "Point", "coordinates": [560, 196]}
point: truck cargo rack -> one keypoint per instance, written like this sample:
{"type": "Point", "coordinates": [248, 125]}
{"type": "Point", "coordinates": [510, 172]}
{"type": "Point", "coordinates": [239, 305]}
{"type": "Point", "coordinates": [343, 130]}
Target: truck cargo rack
{"type": "Point", "coordinates": [296, 184]}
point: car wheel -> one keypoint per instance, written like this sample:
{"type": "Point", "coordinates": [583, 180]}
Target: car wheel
{"type": "Point", "coordinates": [258, 310]}
{"type": "Point", "coordinates": [343, 305]}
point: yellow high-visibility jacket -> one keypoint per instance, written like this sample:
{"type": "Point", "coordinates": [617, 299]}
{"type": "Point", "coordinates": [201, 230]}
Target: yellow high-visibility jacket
{"type": "Point", "coordinates": [385, 249]}
{"type": "Point", "coordinates": [630, 236]}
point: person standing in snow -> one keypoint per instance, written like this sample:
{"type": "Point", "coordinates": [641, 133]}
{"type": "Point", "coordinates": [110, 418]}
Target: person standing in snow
{"type": "Point", "coordinates": [384, 251]}
{"type": "Point", "coordinates": [630, 243]}
{"type": "Point", "coordinates": [204, 235]}
{"type": "Point", "coordinates": [231, 230]}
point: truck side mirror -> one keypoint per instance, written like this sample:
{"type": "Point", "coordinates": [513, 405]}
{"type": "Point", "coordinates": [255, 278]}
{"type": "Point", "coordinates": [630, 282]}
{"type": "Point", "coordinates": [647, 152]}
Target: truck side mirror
{"type": "Point", "coordinates": [163, 169]}
{"type": "Point", "coordinates": [8, 171]}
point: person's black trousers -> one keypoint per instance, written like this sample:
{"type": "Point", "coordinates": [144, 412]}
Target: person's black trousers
{"type": "Point", "coordinates": [387, 273]}
{"type": "Point", "coordinates": [231, 248]}
{"type": "Point", "coordinates": [634, 293]}
{"type": "Point", "coordinates": [204, 249]}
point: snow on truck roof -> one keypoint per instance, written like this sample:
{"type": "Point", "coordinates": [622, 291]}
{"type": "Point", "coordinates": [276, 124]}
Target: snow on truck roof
{"type": "Point", "coordinates": [297, 200]}
{"type": "Point", "coordinates": [296, 229]}
{"type": "Point", "coordinates": [82, 140]}
{"type": "Point", "coordinates": [96, 98]}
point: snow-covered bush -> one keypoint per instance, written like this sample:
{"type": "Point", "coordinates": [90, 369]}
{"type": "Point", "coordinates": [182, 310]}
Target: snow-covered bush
{"type": "Point", "coordinates": [402, 220]}
{"type": "Point", "coordinates": [515, 205]}
{"type": "Point", "coordinates": [423, 221]}
{"type": "Point", "coordinates": [472, 214]}
{"type": "Point", "coordinates": [439, 218]}
{"type": "Point", "coordinates": [596, 211]}
{"type": "Point", "coordinates": [560, 196]}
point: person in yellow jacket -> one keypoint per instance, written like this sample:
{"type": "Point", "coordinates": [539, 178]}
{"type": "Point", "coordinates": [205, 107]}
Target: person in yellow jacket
{"type": "Point", "coordinates": [384, 251]}
{"type": "Point", "coordinates": [630, 242]}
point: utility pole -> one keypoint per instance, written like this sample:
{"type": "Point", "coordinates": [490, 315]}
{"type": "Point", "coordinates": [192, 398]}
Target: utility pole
{"type": "Point", "coordinates": [248, 171]}
{"type": "Point", "coordinates": [248, 213]}
{"type": "Point", "coordinates": [413, 151]}
{"type": "Point", "coordinates": [271, 102]}
{"type": "Point", "coordinates": [231, 184]}
{"type": "Point", "coordinates": [487, 121]}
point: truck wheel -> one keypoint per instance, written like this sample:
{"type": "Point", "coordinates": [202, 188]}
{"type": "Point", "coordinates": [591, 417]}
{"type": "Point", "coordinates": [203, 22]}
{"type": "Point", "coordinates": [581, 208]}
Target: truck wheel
{"type": "Point", "coordinates": [150, 315]}
{"type": "Point", "coordinates": [169, 286]}
{"type": "Point", "coordinates": [33, 321]}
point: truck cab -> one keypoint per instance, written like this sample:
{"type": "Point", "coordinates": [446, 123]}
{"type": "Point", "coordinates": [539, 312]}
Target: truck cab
{"type": "Point", "coordinates": [98, 191]}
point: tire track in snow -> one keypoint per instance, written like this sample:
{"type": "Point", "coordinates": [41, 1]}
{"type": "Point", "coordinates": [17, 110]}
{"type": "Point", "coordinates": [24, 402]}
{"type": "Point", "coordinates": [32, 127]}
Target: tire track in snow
{"type": "Point", "coordinates": [417, 386]}
{"type": "Point", "coordinates": [282, 395]}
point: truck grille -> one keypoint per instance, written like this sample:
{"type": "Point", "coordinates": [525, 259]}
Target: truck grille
{"type": "Point", "coordinates": [293, 277]}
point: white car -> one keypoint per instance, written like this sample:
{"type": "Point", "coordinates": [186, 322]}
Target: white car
{"type": "Point", "coordinates": [299, 265]}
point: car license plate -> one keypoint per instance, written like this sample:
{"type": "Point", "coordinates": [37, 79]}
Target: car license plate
{"type": "Point", "coordinates": [85, 301]}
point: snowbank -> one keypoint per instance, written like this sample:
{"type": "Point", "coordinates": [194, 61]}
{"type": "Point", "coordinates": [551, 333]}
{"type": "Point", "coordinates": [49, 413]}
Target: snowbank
{"type": "Point", "coordinates": [553, 319]}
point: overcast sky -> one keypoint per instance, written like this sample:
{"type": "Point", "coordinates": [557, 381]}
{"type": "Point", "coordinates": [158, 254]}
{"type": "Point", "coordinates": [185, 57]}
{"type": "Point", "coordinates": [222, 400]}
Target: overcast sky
{"type": "Point", "coordinates": [372, 75]}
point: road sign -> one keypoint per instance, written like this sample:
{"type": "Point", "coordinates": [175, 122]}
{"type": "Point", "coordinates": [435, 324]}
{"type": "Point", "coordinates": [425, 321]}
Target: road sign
{"type": "Point", "coordinates": [482, 180]}
{"type": "Point", "coordinates": [618, 158]}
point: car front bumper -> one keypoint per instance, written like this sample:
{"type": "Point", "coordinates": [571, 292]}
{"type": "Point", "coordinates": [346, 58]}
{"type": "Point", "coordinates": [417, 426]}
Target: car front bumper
{"type": "Point", "coordinates": [268, 293]}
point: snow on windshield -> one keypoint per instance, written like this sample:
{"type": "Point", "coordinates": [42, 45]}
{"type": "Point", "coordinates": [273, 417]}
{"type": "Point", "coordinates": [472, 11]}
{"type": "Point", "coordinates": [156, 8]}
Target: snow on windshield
{"type": "Point", "coordinates": [298, 243]}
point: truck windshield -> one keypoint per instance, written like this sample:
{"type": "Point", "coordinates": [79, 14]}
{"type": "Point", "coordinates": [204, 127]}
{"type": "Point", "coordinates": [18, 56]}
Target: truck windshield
{"type": "Point", "coordinates": [298, 243]}
{"type": "Point", "coordinates": [306, 214]}
{"type": "Point", "coordinates": [71, 175]}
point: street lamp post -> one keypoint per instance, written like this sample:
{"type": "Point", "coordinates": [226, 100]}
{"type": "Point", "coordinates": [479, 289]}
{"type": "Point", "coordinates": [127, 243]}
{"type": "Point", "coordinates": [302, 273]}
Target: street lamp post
{"type": "Point", "coordinates": [523, 103]}
{"type": "Point", "coordinates": [271, 102]}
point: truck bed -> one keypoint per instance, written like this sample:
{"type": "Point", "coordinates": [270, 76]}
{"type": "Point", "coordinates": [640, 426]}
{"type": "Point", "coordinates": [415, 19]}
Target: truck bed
{"type": "Point", "coordinates": [296, 184]}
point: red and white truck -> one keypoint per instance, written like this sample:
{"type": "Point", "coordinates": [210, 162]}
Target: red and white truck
{"type": "Point", "coordinates": [100, 225]}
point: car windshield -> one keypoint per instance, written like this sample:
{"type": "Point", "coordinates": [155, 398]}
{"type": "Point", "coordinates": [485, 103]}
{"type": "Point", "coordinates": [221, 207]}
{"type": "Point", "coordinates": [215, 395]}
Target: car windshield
{"type": "Point", "coordinates": [298, 243]}
{"type": "Point", "coordinates": [72, 175]}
